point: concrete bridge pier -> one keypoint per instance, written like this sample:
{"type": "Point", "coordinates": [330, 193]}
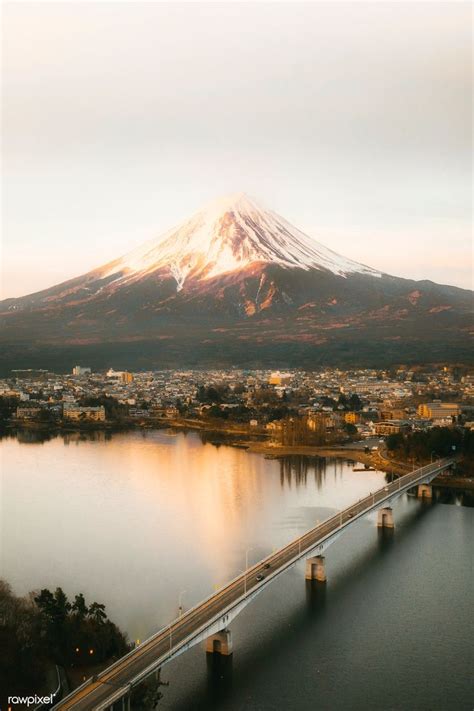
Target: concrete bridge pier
{"type": "Point", "coordinates": [316, 569]}
{"type": "Point", "coordinates": [220, 643]}
{"type": "Point", "coordinates": [425, 491]}
{"type": "Point", "coordinates": [385, 518]}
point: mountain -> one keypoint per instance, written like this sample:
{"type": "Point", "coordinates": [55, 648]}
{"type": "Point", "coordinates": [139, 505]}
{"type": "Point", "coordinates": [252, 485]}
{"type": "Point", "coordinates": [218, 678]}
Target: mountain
{"type": "Point", "coordinates": [235, 283]}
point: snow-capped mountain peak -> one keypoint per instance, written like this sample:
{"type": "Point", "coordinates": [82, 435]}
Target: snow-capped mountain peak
{"type": "Point", "coordinates": [230, 233]}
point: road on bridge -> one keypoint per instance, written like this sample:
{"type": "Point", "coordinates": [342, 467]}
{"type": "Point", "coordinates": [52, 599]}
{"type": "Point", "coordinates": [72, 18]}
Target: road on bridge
{"type": "Point", "coordinates": [116, 681]}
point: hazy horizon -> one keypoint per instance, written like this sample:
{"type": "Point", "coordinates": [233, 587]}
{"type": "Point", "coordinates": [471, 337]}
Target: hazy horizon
{"type": "Point", "coordinates": [352, 121]}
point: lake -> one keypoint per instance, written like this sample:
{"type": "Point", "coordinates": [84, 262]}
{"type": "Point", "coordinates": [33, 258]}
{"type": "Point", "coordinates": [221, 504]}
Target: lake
{"type": "Point", "coordinates": [142, 521]}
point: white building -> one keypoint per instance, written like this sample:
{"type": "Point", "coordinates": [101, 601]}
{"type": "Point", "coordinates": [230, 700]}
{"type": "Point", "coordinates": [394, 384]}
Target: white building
{"type": "Point", "coordinates": [79, 370]}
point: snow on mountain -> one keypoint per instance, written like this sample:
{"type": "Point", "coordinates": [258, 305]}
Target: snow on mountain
{"type": "Point", "coordinates": [229, 233]}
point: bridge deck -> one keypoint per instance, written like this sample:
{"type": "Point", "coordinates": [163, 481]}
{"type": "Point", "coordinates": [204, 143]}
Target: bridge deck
{"type": "Point", "coordinates": [113, 683]}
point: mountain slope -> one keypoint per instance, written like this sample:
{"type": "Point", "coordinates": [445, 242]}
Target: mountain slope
{"type": "Point", "coordinates": [235, 283]}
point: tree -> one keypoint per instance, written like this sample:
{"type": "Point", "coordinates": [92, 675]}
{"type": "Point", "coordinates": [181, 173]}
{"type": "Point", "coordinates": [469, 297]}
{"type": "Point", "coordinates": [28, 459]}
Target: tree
{"type": "Point", "coordinates": [8, 406]}
{"type": "Point", "coordinates": [97, 612]}
{"type": "Point", "coordinates": [302, 431]}
{"type": "Point", "coordinates": [350, 428]}
{"type": "Point", "coordinates": [328, 401]}
{"type": "Point", "coordinates": [394, 441]}
{"type": "Point", "coordinates": [44, 627]}
{"type": "Point", "coordinates": [215, 411]}
{"type": "Point", "coordinates": [438, 441]}
{"type": "Point", "coordinates": [62, 605]}
{"type": "Point", "coordinates": [182, 407]}
{"type": "Point", "coordinates": [22, 664]}
{"type": "Point", "coordinates": [342, 400]}
{"type": "Point", "coordinates": [79, 607]}
{"type": "Point", "coordinates": [212, 393]}
{"type": "Point", "coordinates": [113, 409]}
{"type": "Point", "coordinates": [46, 603]}
{"type": "Point", "coordinates": [355, 403]}
{"type": "Point", "coordinates": [54, 613]}
{"type": "Point", "coordinates": [265, 394]}
{"type": "Point", "coordinates": [53, 607]}
{"type": "Point", "coordinates": [46, 415]}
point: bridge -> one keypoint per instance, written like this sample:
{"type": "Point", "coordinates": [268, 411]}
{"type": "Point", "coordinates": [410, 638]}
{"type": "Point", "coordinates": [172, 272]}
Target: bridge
{"type": "Point", "coordinates": [209, 619]}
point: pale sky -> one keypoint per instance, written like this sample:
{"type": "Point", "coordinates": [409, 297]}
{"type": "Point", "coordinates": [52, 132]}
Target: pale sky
{"type": "Point", "coordinates": [353, 121]}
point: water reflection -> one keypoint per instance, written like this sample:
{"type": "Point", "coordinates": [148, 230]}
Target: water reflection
{"type": "Point", "coordinates": [456, 497]}
{"type": "Point", "coordinates": [85, 436]}
{"type": "Point", "coordinates": [219, 678]}
{"type": "Point", "coordinates": [385, 537]}
{"type": "Point", "coordinates": [315, 597]}
{"type": "Point", "coordinates": [27, 436]}
{"type": "Point", "coordinates": [135, 518]}
{"type": "Point", "coordinates": [34, 435]}
{"type": "Point", "coordinates": [295, 470]}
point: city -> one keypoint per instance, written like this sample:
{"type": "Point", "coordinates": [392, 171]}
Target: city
{"type": "Point", "coordinates": [338, 404]}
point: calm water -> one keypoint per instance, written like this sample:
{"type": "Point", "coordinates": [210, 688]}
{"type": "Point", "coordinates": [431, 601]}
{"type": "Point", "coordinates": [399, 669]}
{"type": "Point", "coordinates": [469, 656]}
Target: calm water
{"type": "Point", "coordinates": [141, 519]}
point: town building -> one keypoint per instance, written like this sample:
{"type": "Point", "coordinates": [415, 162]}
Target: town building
{"type": "Point", "coordinates": [388, 428]}
{"type": "Point", "coordinates": [79, 370]}
{"type": "Point", "coordinates": [438, 410]}
{"type": "Point", "coordinates": [80, 413]}
{"type": "Point", "coordinates": [121, 376]}
{"type": "Point", "coordinates": [28, 412]}
{"type": "Point", "coordinates": [278, 378]}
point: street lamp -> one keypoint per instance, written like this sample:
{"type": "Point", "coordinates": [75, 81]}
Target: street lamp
{"type": "Point", "coordinates": [180, 603]}
{"type": "Point", "coordinates": [246, 566]}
